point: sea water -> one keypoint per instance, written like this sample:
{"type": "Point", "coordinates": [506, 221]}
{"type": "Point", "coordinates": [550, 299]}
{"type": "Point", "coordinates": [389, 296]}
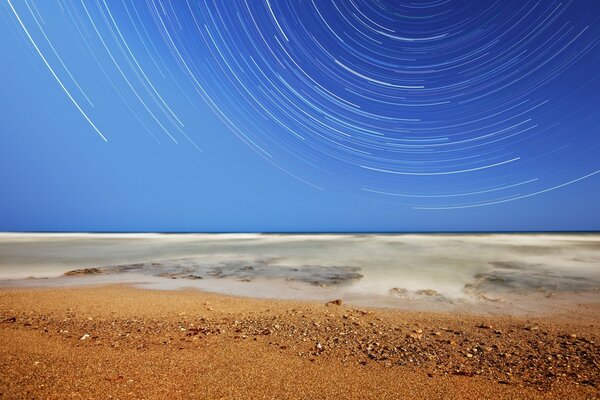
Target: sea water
{"type": "Point", "coordinates": [375, 269]}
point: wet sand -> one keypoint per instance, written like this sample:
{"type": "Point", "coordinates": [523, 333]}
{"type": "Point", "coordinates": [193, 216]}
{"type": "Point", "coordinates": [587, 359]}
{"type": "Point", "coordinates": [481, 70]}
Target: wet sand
{"type": "Point", "coordinates": [121, 342]}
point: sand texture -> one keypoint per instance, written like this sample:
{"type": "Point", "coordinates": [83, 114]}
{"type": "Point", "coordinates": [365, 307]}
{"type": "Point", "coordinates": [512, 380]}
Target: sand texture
{"type": "Point", "coordinates": [121, 342]}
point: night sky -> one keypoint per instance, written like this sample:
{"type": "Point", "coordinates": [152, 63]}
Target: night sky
{"type": "Point", "coordinates": [300, 115]}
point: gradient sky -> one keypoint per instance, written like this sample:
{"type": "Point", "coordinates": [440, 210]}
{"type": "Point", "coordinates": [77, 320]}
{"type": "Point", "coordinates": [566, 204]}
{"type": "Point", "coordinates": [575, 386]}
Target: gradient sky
{"type": "Point", "coordinates": [333, 115]}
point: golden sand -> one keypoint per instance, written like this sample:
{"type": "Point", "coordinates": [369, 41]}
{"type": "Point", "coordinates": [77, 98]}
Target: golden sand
{"type": "Point", "coordinates": [122, 342]}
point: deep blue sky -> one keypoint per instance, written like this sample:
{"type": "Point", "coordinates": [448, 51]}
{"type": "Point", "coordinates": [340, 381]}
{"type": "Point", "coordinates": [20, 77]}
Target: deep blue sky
{"type": "Point", "coordinates": [300, 116]}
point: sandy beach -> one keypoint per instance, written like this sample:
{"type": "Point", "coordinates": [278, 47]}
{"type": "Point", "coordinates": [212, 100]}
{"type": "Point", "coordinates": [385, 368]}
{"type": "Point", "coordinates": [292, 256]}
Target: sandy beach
{"type": "Point", "coordinates": [117, 341]}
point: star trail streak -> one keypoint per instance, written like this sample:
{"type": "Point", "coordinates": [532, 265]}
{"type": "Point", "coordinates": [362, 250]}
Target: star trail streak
{"type": "Point", "coordinates": [434, 104]}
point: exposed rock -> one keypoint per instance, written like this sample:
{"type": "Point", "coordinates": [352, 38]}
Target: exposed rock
{"type": "Point", "coordinates": [336, 302]}
{"type": "Point", "coordinates": [83, 271]}
{"type": "Point", "coordinates": [399, 292]}
{"type": "Point", "coordinates": [428, 292]}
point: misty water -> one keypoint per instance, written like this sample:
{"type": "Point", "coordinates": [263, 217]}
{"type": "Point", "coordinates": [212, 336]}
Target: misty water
{"type": "Point", "coordinates": [400, 270]}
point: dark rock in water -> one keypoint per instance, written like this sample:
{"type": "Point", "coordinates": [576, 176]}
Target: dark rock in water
{"type": "Point", "coordinates": [125, 267]}
{"type": "Point", "coordinates": [428, 292]}
{"type": "Point", "coordinates": [240, 270]}
{"type": "Point", "coordinates": [178, 275]}
{"type": "Point", "coordinates": [400, 292]}
{"type": "Point", "coordinates": [193, 277]}
{"type": "Point", "coordinates": [336, 302]}
{"type": "Point", "coordinates": [83, 271]}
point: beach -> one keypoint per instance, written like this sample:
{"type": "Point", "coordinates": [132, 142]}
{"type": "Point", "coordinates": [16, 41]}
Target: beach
{"type": "Point", "coordinates": [299, 316]}
{"type": "Point", "coordinates": [307, 200]}
{"type": "Point", "coordinates": [121, 342]}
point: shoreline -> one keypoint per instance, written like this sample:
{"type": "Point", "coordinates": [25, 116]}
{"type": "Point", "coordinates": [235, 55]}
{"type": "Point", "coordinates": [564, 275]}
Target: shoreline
{"type": "Point", "coordinates": [117, 340]}
{"type": "Point", "coordinates": [544, 304]}
{"type": "Point", "coordinates": [496, 273]}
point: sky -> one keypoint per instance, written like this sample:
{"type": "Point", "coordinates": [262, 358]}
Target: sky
{"type": "Point", "coordinates": [304, 115]}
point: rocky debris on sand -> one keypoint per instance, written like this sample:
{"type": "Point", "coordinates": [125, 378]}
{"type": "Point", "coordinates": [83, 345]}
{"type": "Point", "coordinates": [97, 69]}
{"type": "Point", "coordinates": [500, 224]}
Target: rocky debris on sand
{"type": "Point", "coordinates": [83, 271]}
{"type": "Point", "coordinates": [336, 302]}
{"type": "Point", "coordinates": [512, 351]}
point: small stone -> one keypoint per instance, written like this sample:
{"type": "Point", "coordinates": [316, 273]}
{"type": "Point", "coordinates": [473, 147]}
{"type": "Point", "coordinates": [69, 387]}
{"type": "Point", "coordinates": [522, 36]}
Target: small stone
{"type": "Point", "coordinates": [336, 302]}
{"type": "Point", "coordinates": [318, 347]}
{"type": "Point", "coordinates": [85, 336]}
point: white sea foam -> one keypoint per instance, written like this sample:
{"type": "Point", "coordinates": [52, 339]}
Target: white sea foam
{"type": "Point", "coordinates": [459, 267]}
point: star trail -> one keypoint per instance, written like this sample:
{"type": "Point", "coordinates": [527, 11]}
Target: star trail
{"type": "Point", "coordinates": [431, 105]}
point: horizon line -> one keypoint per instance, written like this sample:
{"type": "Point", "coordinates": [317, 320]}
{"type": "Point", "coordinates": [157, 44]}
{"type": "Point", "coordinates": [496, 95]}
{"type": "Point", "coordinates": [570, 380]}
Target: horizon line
{"type": "Point", "coordinates": [323, 232]}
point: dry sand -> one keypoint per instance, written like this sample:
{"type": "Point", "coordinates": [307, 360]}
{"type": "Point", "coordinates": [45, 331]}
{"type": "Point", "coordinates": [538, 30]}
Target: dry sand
{"type": "Point", "coordinates": [121, 342]}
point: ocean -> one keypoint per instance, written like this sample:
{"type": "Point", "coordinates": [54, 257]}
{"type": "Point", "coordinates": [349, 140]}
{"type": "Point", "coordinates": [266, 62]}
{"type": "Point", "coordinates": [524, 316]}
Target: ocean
{"type": "Point", "coordinates": [500, 272]}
